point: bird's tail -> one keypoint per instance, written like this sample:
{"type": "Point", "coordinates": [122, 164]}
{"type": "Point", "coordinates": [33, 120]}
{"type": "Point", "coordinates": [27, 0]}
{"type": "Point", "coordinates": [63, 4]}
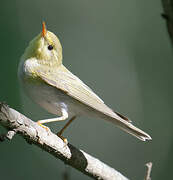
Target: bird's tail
{"type": "Point", "coordinates": [126, 125]}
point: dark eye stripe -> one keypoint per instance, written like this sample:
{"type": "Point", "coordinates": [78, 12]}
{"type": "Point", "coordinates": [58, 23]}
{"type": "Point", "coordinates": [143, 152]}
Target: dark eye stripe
{"type": "Point", "coordinates": [50, 47]}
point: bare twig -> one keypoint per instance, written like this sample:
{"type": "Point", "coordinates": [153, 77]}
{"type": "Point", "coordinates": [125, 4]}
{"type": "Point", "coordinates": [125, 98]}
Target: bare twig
{"type": "Point", "coordinates": [168, 16]}
{"type": "Point", "coordinates": [148, 174]}
{"type": "Point", "coordinates": [15, 122]}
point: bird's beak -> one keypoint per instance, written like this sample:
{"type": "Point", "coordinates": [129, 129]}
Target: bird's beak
{"type": "Point", "coordinates": [43, 29]}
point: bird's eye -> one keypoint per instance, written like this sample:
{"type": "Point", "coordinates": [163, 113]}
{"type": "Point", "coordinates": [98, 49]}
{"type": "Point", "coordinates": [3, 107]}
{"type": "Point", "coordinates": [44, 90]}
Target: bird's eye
{"type": "Point", "coordinates": [50, 47]}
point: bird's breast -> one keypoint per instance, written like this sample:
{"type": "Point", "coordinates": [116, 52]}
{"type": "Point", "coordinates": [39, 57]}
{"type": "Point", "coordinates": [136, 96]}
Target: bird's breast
{"type": "Point", "coordinates": [45, 95]}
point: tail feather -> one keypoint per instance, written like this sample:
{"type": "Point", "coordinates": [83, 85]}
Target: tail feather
{"type": "Point", "coordinates": [123, 123]}
{"type": "Point", "coordinates": [130, 128]}
{"type": "Point", "coordinates": [138, 133]}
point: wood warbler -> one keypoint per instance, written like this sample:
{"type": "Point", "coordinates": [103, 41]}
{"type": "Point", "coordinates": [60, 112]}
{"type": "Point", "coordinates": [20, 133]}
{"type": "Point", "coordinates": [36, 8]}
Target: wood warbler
{"type": "Point", "coordinates": [51, 85]}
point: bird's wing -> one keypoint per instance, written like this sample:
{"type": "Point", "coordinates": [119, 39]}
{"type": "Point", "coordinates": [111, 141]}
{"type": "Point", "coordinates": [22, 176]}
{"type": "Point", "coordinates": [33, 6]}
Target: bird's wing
{"type": "Point", "coordinates": [74, 87]}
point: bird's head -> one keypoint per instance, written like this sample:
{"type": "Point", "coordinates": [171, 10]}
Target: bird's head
{"type": "Point", "coordinates": [45, 47]}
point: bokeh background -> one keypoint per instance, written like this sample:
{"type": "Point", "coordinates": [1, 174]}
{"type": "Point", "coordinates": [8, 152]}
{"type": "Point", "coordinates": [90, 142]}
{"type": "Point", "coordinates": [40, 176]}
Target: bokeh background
{"type": "Point", "coordinates": [119, 48]}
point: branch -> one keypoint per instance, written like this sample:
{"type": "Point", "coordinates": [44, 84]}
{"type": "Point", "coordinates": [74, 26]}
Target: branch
{"type": "Point", "coordinates": [148, 173]}
{"type": "Point", "coordinates": [16, 122]}
{"type": "Point", "coordinates": [168, 16]}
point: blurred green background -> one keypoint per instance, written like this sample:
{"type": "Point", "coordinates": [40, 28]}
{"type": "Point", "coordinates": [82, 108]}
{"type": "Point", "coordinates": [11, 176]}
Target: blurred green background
{"type": "Point", "coordinates": [122, 50]}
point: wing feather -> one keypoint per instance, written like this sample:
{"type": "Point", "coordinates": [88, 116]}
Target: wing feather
{"type": "Point", "coordinates": [74, 87]}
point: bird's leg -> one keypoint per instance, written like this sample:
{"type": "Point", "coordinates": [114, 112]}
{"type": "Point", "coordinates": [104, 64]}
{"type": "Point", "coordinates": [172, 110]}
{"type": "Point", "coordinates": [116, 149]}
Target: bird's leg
{"type": "Point", "coordinates": [65, 126]}
{"type": "Point", "coordinates": [62, 118]}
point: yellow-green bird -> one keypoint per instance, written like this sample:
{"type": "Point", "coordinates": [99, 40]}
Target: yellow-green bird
{"type": "Point", "coordinates": [51, 85]}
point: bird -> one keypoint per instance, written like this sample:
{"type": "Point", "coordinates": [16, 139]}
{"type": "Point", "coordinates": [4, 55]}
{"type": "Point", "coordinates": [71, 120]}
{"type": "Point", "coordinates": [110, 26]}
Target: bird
{"type": "Point", "coordinates": [51, 85]}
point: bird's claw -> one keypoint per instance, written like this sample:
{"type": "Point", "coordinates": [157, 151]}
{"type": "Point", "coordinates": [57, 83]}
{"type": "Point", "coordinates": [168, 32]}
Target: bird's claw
{"type": "Point", "coordinates": [62, 137]}
{"type": "Point", "coordinates": [45, 127]}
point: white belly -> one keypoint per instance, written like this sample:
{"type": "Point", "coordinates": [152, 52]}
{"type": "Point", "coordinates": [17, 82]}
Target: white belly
{"type": "Point", "coordinates": [51, 99]}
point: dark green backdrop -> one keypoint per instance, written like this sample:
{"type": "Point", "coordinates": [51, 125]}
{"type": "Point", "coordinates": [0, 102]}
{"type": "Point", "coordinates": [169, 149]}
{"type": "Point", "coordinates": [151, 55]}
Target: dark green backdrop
{"type": "Point", "coordinates": [119, 48]}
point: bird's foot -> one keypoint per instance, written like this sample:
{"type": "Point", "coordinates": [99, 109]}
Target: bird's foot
{"type": "Point", "coordinates": [45, 127]}
{"type": "Point", "coordinates": [62, 137]}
